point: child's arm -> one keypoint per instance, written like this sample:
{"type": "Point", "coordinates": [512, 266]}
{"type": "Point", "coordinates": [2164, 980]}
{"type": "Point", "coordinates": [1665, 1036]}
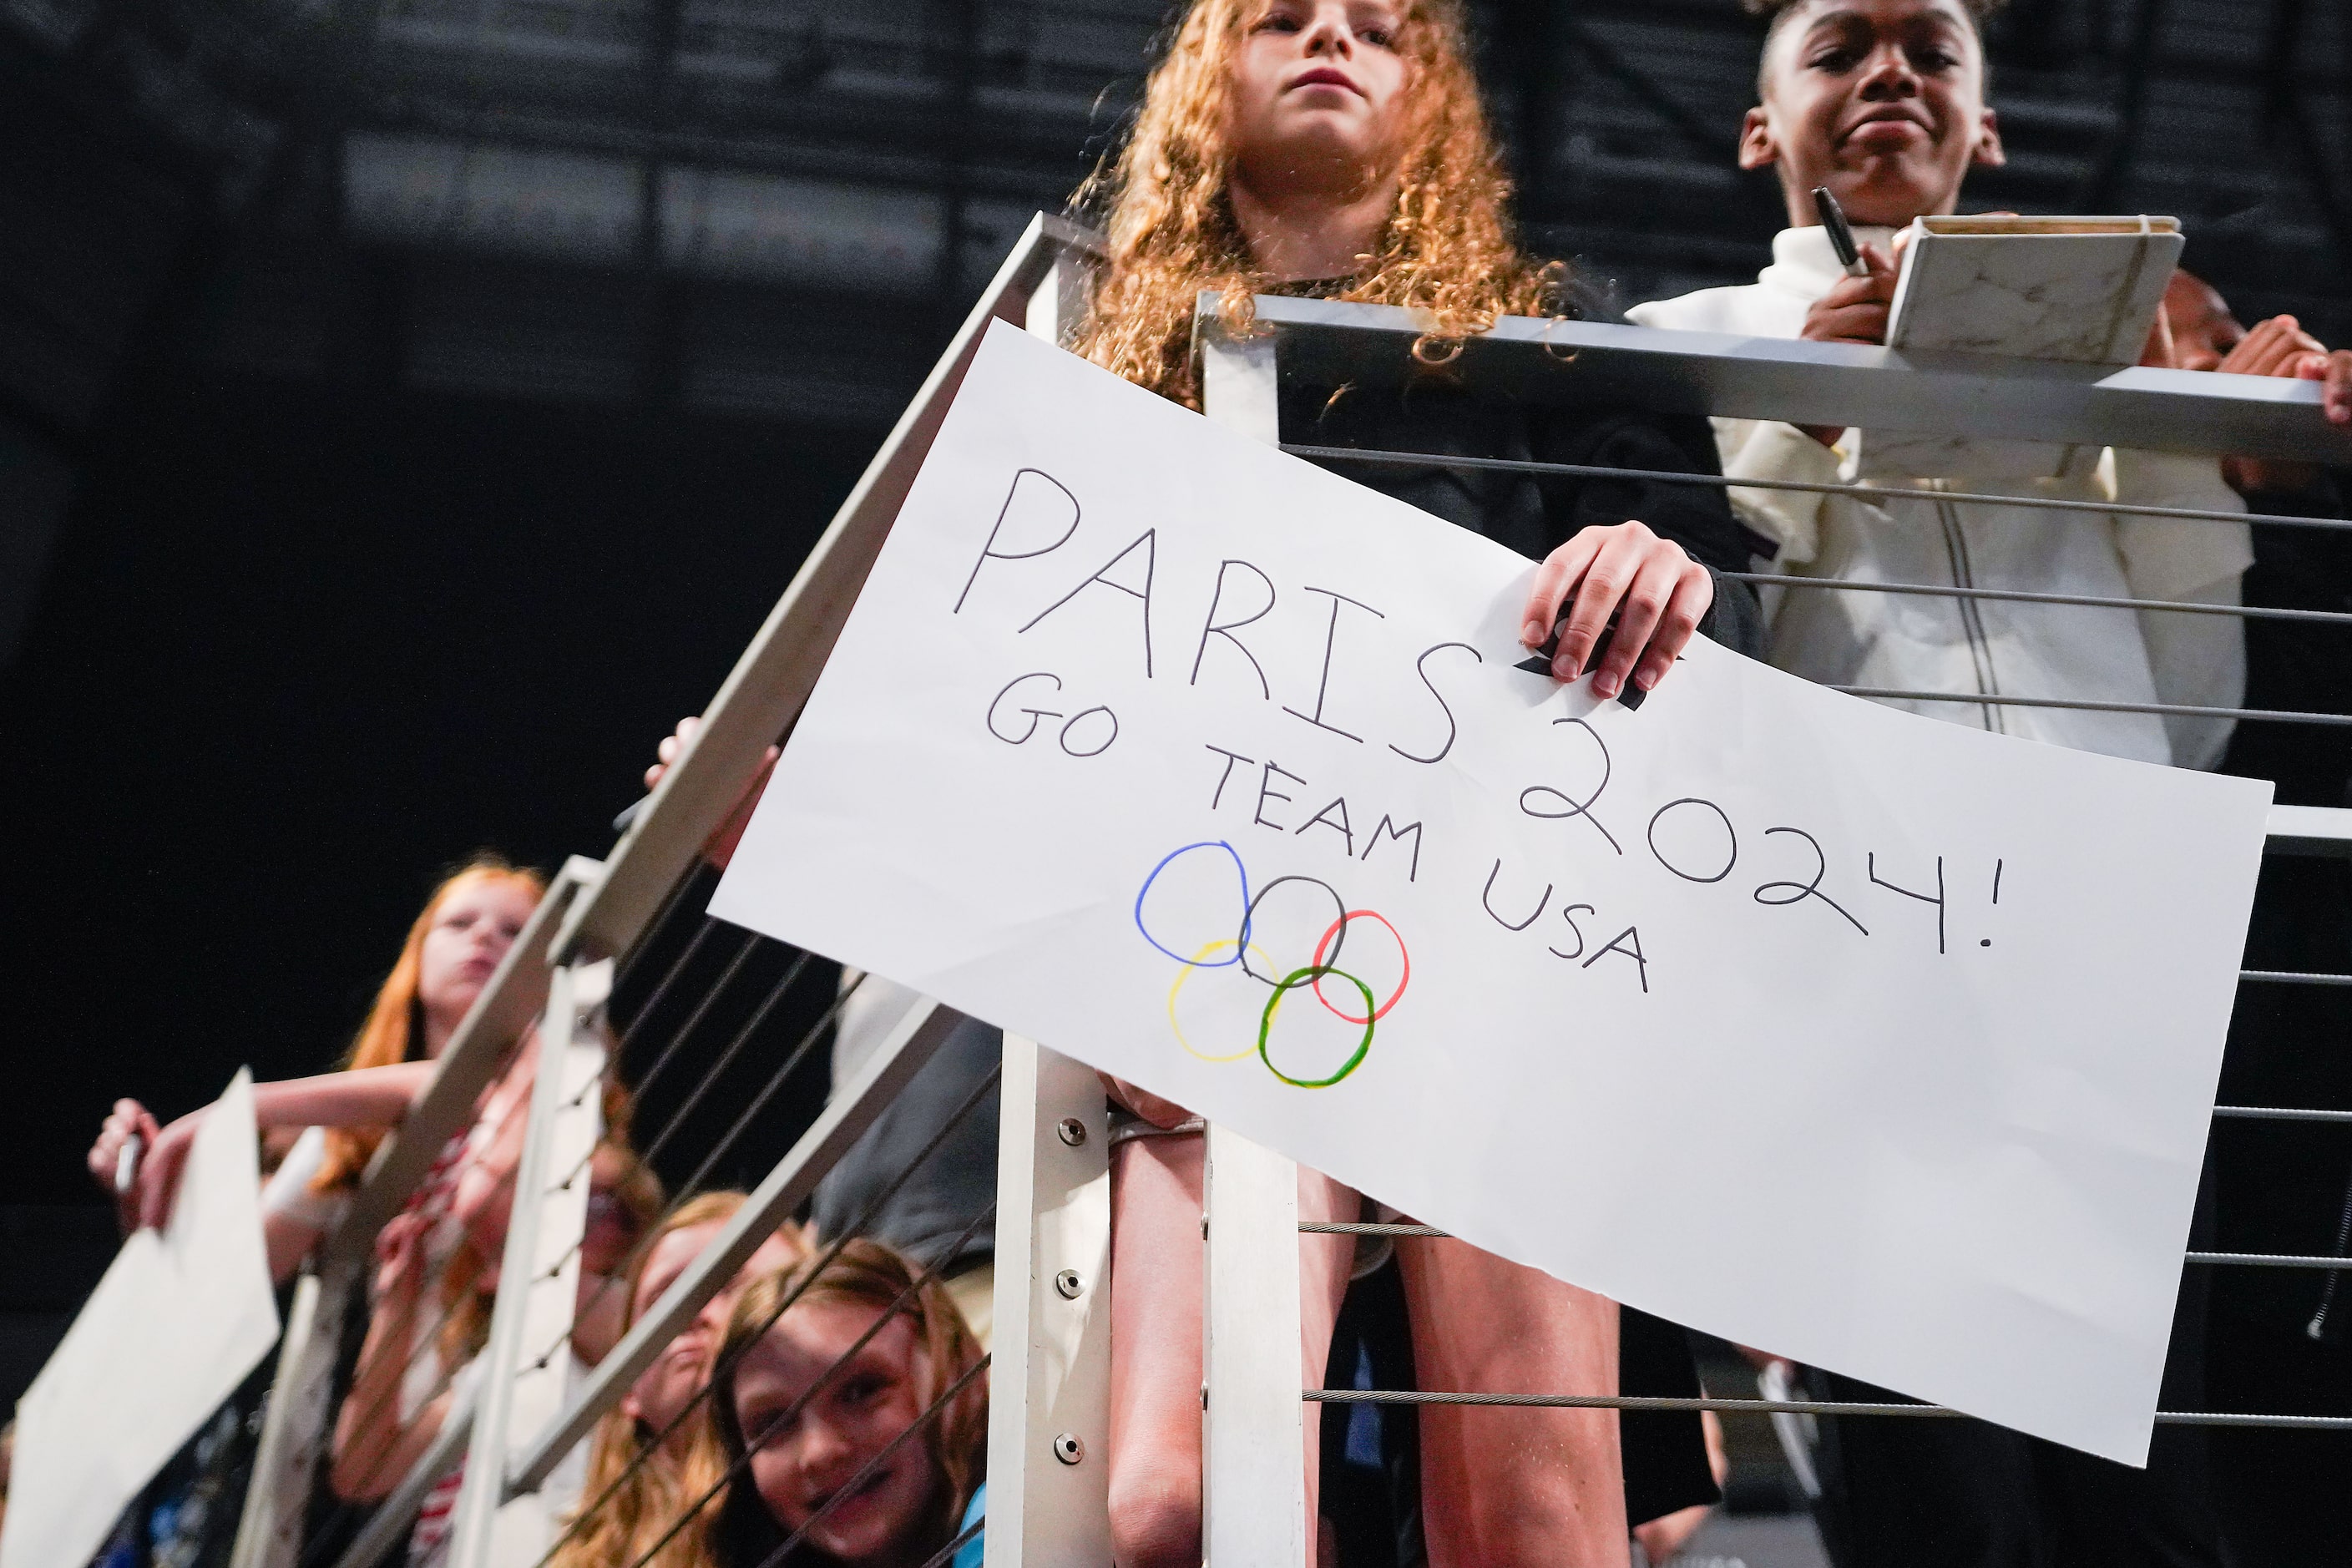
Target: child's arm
{"type": "Point", "coordinates": [363, 1097]}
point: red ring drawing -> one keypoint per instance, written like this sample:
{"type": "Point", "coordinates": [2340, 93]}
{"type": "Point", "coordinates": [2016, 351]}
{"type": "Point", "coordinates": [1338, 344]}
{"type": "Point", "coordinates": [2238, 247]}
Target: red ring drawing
{"type": "Point", "coordinates": [1403, 981]}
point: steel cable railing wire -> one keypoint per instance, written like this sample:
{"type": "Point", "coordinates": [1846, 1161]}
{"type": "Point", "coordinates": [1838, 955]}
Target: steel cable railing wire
{"type": "Point", "coordinates": [793, 1411]}
{"type": "Point", "coordinates": [1872, 494]}
{"type": "Point", "coordinates": [694, 1019]}
{"type": "Point", "coordinates": [1771, 1407]}
{"type": "Point", "coordinates": [826, 1254]}
{"type": "Point", "coordinates": [2278, 1113]}
{"type": "Point", "coordinates": [775, 1082]}
{"type": "Point", "coordinates": [2248, 1259]}
{"type": "Point", "coordinates": [2025, 596]}
{"type": "Point", "coordinates": [429, 1343]}
{"type": "Point", "coordinates": [2087, 705]}
{"type": "Point", "coordinates": [734, 1048]}
{"type": "Point", "coordinates": [643, 946]}
{"type": "Point", "coordinates": [693, 1184]}
{"type": "Point", "coordinates": [677, 1118]}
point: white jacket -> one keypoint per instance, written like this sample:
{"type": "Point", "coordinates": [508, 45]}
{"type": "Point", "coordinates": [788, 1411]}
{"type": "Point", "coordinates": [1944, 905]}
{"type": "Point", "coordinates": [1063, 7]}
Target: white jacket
{"type": "Point", "coordinates": [1916, 643]}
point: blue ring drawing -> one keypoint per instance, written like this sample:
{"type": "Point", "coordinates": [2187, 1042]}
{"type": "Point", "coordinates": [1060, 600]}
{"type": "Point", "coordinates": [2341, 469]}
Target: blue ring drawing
{"type": "Point", "coordinates": [1240, 870]}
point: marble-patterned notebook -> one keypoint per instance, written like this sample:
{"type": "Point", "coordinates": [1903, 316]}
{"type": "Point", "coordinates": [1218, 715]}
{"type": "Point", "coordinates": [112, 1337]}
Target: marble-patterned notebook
{"type": "Point", "coordinates": [2085, 289]}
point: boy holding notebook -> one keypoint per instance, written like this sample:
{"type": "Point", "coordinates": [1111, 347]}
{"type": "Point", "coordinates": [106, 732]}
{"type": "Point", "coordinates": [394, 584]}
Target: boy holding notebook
{"type": "Point", "coordinates": [1883, 101]}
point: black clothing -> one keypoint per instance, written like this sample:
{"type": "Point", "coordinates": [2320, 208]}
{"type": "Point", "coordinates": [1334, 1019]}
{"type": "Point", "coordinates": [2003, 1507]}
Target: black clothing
{"type": "Point", "coordinates": [2286, 1187]}
{"type": "Point", "coordinates": [1666, 1468]}
{"type": "Point", "coordinates": [932, 1207]}
{"type": "Point", "coordinates": [2296, 665]}
{"type": "Point", "coordinates": [1938, 1492]}
{"type": "Point", "coordinates": [1535, 515]}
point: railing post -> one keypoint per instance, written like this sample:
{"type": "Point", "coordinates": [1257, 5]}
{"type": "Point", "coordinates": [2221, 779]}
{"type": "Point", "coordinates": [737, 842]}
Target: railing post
{"type": "Point", "coordinates": [294, 1426]}
{"type": "Point", "coordinates": [1253, 1477]}
{"type": "Point", "coordinates": [525, 1366]}
{"type": "Point", "coordinates": [1049, 1381]}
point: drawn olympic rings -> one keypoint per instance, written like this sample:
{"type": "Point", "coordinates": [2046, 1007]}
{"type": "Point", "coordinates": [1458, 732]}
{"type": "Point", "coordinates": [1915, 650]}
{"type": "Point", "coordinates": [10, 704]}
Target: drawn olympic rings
{"type": "Point", "coordinates": [1314, 975]}
{"type": "Point", "coordinates": [1240, 949]}
{"type": "Point", "coordinates": [1338, 928]}
{"type": "Point", "coordinates": [1178, 990]}
{"type": "Point", "coordinates": [1339, 907]}
{"type": "Point", "coordinates": [1248, 904]}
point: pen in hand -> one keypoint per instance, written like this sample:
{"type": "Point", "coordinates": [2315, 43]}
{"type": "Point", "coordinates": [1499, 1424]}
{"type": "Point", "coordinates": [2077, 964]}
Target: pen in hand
{"type": "Point", "coordinates": [1833, 218]}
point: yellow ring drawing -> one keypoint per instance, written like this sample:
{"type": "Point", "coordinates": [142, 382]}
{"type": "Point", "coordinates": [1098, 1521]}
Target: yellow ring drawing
{"type": "Point", "coordinates": [1176, 990]}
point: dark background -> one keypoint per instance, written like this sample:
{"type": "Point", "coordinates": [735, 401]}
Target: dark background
{"type": "Point", "coordinates": [409, 407]}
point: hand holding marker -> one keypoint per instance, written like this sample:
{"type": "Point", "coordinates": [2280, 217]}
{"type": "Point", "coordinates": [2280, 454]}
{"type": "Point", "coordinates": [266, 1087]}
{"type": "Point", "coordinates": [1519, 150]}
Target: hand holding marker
{"type": "Point", "coordinates": [1833, 218]}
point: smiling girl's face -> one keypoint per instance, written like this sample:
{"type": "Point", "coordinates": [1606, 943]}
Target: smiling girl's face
{"type": "Point", "coordinates": [1880, 101]}
{"type": "Point", "coordinates": [852, 1415]}
{"type": "Point", "coordinates": [1318, 94]}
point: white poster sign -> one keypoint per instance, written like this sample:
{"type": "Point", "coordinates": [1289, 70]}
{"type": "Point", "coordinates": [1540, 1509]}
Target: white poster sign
{"type": "Point", "coordinates": [1881, 1043]}
{"type": "Point", "coordinates": [180, 1319]}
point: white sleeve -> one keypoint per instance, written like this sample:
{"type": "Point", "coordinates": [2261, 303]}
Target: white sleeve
{"type": "Point", "coordinates": [2175, 558]}
{"type": "Point", "coordinates": [2196, 660]}
{"type": "Point", "coordinates": [288, 1192]}
{"type": "Point", "coordinates": [1768, 449]}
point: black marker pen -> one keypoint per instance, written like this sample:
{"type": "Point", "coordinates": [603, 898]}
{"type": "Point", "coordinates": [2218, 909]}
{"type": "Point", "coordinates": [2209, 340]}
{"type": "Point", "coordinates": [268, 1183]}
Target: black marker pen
{"type": "Point", "coordinates": [1630, 696]}
{"type": "Point", "coordinates": [1833, 218]}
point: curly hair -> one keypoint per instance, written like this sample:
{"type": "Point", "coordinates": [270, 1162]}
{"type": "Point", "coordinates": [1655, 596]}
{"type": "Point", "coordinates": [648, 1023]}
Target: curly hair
{"type": "Point", "coordinates": [1446, 250]}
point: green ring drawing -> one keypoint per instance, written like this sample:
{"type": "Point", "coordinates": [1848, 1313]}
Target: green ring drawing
{"type": "Point", "coordinates": [1308, 977]}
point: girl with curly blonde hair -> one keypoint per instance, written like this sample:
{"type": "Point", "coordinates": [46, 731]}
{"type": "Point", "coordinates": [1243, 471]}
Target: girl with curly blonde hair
{"type": "Point", "coordinates": [1338, 149]}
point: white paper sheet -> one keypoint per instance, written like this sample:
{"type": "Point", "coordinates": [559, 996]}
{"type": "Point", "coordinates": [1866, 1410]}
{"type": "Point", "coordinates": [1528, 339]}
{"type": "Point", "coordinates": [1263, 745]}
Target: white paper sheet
{"type": "Point", "coordinates": [1885, 1044]}
{"type": "Point", "coordinates": [179, 1320]}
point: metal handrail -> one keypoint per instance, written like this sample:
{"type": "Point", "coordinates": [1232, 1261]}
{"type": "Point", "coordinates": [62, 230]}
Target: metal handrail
{"type": "Point", "coordinates": [764, 693]}
{"type": "Point", "coordinates": [1566, 362]}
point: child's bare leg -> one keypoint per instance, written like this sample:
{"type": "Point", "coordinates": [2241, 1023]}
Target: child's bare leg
{"type": "Point", "coordinates": [1156, 1270]}
{"type": "Point", "coordinates": [1501, 1485]}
